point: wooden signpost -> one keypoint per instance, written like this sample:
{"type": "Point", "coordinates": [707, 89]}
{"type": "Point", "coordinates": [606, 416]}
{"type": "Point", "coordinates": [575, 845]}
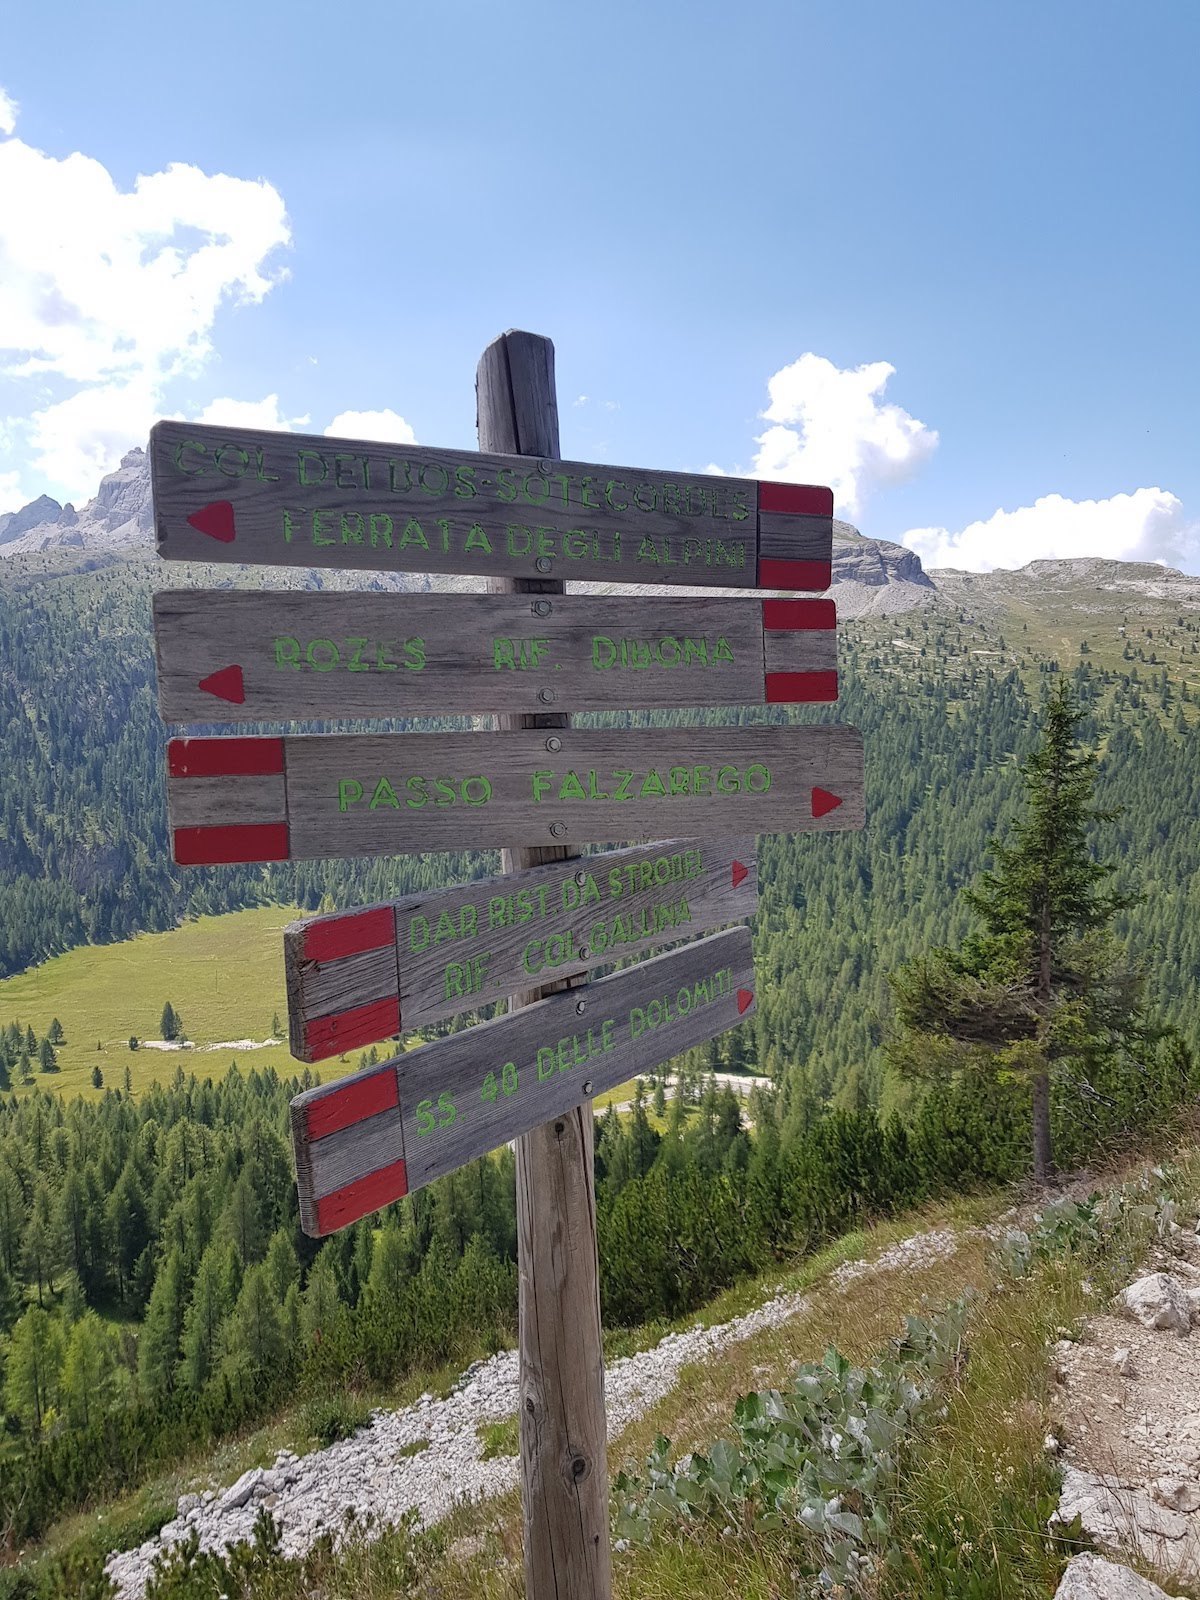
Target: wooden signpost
{"type": "Point", "coordinates": [359, 977]}
{"type": "Point", "coordinates": [273, 798]}
{"type": "Point", "coordinates": [538, 788]}
{"type": "Point", "coordinates": [247, 656]}
{"type": "Point", "coordinates": [282, 499]}
{"type": "Point", "coordinates": [368, 1139]}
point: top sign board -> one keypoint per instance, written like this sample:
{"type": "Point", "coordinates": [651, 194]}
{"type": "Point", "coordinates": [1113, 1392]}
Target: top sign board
{"type": "Point", "coordinates": [285, 499]}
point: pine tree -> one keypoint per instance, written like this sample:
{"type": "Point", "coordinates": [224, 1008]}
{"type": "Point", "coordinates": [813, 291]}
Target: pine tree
{"type": "Point", "coordinates": [162, 1332]}
{"type": "Point", "coordinates": [253, 1336]}
{"type": "Point", "coordinates": [322, 1301]}
{"type": "Point", "coordinates": [211, 1303]}
{"type": "Point", "coordinates": [47, 1059]}
{"type": "Point", "coordinates": [55, 1033]}
{"type": "Point", "coordinates": [89, 1369]}
{"type": "Point", "coordinates": [97, 1078]}
{"type": "Point", "coordinates": [1043, 989]}
{"type": "Point", "coordinates": [35, 1358]}
{"type": "Point", "coordinates": [169, 1023]}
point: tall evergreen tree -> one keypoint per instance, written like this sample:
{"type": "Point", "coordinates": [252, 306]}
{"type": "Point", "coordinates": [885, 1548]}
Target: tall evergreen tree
{"type": "Point", "coordinates": [1043, 988]}
{"type": "Point", "coordinates": [31, 1377]}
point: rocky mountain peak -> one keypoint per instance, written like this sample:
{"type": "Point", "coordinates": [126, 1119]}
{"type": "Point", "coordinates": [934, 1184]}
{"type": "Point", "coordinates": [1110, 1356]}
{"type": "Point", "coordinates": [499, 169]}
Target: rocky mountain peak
{"type": "Point", "coordinates": [14, 524]}
{"type": "Point", "coordinates": [874, 577]}
{"type": "Point", "coordinates": [120, 514]}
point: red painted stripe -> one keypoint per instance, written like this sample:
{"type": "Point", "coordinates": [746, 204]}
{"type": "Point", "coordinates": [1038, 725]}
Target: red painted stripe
{"type": "Point", "coordinates": [798, 616]}
{"type": "Point", "coordinates": [347, 1030]}
{"type": "Point", "coordinates": [353, 1101]}
{"type": "Point", "coordinates": [327, 938]}
{"type": "Point", "coordinates": [230, 846]}
{"type": "Point", "coordinates": [247, 757]}
{"type": "Point", "coordinates": [773, 574]}
{"type": "Point", "coordinates": [796, 499]}
{"type": "Point", "coordinates": [801, 688]}
{"type": "Point", "coordinates": [364, 1195]}
{"type": "Point", "coordinates": [738, 873]}
{"type": "Point", "coordinates": [745, 999]}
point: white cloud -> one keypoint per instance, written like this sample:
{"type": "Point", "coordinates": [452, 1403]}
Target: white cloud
{"type": "Point", "coordinates": [1147, 525]}
{"type": "Point", "coordinates": [385, 427]}
{"type": "Point", "coordinates": [12, 497]}
{"type": "Point", "coordinates": [8, 112]}
{"type": "Point", "coordinates": [263, 413]}
{"type": "Point", "coordinates": [830, 426]}
{"type": "Point", "coordinates": [79, 439]}
{"type": "Point", "coordinates": [105, 295]}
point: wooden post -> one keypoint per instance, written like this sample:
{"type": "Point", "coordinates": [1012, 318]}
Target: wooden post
{"type": "Point", "coordinates": [563, 1458]}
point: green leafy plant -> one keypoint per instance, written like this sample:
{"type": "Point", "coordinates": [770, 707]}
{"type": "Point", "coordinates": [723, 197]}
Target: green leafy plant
{"type": "Point", "coordinates": [819, 1457]}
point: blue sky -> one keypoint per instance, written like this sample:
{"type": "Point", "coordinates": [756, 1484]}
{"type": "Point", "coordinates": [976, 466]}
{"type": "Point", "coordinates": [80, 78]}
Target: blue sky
{"type": "Point", "coordinates": [733, 220]}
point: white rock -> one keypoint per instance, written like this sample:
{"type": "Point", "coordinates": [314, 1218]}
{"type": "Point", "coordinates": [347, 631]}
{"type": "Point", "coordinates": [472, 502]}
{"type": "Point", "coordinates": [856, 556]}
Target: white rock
{"type": "Point", "coordinates": [239, 1493]}
{"type": "Point", "coordinates": [1177, 1494]}
{"type": "Point", "coordinates": [1090, 1577]}
{"type": "Point", "coordinates": [1123, 1361]}
{"type": "Point", "coordinates": [1158, 1301]}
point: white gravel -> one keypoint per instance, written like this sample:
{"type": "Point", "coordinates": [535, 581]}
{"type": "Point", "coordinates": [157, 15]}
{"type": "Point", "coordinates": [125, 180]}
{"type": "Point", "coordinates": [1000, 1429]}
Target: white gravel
{"type": "Point", "coordinates": [367, 1476]}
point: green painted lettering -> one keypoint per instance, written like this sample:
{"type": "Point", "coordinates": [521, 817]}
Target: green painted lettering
{"type": "Point", "coordinates": [384, 795]}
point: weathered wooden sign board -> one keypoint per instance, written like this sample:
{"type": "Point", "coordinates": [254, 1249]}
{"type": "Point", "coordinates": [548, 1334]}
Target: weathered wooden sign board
{"type": "Point", "coordinates": [382, 1133]}
{"type": "Point", "coordinates": [245, 656]}
{"type": "Point", "coordinates": [240, 799]}
{"type": "Point", "coordinates": [359, 977]}
{"type": "Point", "coordinates": [285, 499]}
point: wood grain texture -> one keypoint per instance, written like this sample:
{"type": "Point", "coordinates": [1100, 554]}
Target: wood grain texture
{"type": "Point", "coordinates": [455, 791]}
{"type": "Point", "coordinates": [248, 656]}
{"type": "Point", "coordinates": [457, 949]}
{"type": "Point", "coordinates": [283, 499]}
{"type": "Point", "coordinates": [563, 1427]}
{"type": "Point", "coordinates": [464, 1095]}
{"type": "Point", "coordinates": [599, 1036]}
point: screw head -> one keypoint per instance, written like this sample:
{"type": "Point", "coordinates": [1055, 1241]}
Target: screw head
{"type": "Point", "coordinates": [553, 745]}
{"type": "Point", "coordinates": [581, 878]}
{"type": "Point", "coordinates": [582, 952]}
{"type": "Point", "coordinates": [580, 1007]}
{"type": "Point", "coordinates": [587, 1086]}
{"type": "Point", "coordinates": [541, 608]}
{"type": "Point", "coordinates": [546, 696]}
{"type": "Point", "coordinates": [543, 563]}
{"type": "Point", "coordinates": [557, 829]}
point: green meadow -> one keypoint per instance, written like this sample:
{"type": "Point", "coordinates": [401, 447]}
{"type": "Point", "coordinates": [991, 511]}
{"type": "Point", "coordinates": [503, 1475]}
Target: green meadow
{"type": "Point", "coordinates": [223, 975]}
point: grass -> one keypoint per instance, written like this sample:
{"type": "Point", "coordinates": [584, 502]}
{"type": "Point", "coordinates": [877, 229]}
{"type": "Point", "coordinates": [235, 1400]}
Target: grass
{"type": "Point", "coordinates": [498, 1439]}
{"type": "Point", "coordinates": [224, 975]}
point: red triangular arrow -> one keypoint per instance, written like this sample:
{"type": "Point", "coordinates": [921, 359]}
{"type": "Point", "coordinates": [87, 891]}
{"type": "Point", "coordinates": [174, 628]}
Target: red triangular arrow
{"type": "Point", "coordinates": [824, 802]}
{"type": "Point", "coordinates": [745, 1000]}
{"type": "Point", "coordinates": [739, 873]}
{"type": "Point", "coordinates": [216, 520]}
{"type": "Point", "coordinates": [225, 685]}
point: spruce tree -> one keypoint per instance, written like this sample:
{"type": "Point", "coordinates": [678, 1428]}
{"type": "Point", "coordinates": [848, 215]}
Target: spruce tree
{"type": "Point", "coordinates": [169, 1022]}
{"type": "Point", "coordinates": [1043, 988]}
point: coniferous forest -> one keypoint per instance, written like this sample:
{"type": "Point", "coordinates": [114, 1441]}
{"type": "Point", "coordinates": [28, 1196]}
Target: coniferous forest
{"type": "Point", "coordinates": [155, 1290]}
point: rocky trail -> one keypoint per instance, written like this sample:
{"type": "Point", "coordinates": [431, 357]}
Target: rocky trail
{"type": "Point", "coordinates": [1127, 1430]}
{"type": "Point", "coordinates": [1129, 1417]}
{"type": "Point", "coordinates": [428, 1456]}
